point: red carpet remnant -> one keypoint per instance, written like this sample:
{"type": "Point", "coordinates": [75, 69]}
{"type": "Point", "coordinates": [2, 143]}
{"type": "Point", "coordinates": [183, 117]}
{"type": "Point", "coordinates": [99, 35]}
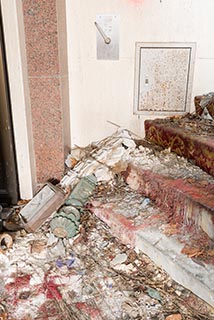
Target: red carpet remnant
{"type": "Point", "coordinates": [190, 138]}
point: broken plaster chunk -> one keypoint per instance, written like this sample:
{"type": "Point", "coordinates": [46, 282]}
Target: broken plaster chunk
{"type": "Point", "coordinates": [103, 173]}
{"type": "Point", "coordinates": [75, 156]}
{"type": "Point", "coordinates": [119, 259]}
{"type": "Point", "coordinates": [71, 162]}
{"type": "Point", "coordinates": [178, 292]}
{"type": "Point", "coordinates": [51, 240]}
{"type": "Point", "coordinates": [57, 251]}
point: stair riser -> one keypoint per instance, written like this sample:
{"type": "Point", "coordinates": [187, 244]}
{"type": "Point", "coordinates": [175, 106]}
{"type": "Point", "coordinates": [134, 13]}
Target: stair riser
{"type": "Point", "coordinates": [121, 227]}
{"type": "Point", "coordinates": [171, 197]}
{"type": "Point", "coordinates": [165, 252]}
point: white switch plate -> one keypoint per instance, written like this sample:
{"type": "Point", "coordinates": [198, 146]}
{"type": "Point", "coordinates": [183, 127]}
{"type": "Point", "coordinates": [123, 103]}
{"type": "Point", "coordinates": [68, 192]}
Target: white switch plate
{"type": "Point", "coordinates": [109, 24]}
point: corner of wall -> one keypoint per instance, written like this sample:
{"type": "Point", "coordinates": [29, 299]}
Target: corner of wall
{"type": "Point", "coordinates": [63, 66]}
{"type": "Point", "coordinates": [19, 93]}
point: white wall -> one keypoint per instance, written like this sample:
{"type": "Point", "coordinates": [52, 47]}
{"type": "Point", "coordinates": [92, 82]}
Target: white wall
{"type": "Point", "coordinates": [103, 90]}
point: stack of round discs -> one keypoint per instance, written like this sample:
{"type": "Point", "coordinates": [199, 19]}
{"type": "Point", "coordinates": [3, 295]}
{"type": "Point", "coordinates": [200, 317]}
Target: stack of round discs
{"type": "Point", "coordinates": [65, 223]}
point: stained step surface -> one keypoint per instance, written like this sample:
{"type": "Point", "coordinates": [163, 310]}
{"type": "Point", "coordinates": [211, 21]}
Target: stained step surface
{"type": "Point", "coordinates": [190, 137]}
{"type": "Point", "coordinates": [179, 188]}
{"type": "Point", "coordinates": [185, 252]}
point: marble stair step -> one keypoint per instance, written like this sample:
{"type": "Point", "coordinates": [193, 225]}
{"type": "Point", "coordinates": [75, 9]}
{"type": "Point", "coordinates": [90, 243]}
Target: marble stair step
{"type": "Point", "coordinates": [184, 251]}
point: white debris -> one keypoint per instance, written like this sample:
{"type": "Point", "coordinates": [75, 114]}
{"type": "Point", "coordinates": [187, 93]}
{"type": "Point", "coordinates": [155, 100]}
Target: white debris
{"type": "Point", "coordinates": [56, 251]}
{"type": "Point", "coordinates": [30, 307]}
{"type": "Point", "coordinates": [119, 259]}
{"type": "Point", "coordinates": [75, 155]}
{"type": "Point", "coordinates": [103, 174]}
{"type": "Point", "coordinates": [107, 154]}
{"type": "Point", "coordinates": [51, 240]}
{"type": "Point", "coordinates": [5, 270]}
{"type": "Point", "coordinates": [37, 278]}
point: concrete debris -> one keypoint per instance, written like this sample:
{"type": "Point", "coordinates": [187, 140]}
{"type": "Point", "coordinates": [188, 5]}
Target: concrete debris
{"type": "Point", "coordinates": [206, 99]}
{"type": "Point", "coordinates": [71, 266]}
{"type": "Point", "coordinates": [44, 203]}
{"type": "Point", "coordinates": [119, 259]}
{"type": "Point", "coordinates": [103, 160]}
{"type": "Point", "coordinates": [98, 160]}
{"type": "Point", "coordinates": [76, 155]}
{"type": "Point", "coordinates": [81, 282]}
{"type": "Point", "coordinates": [104, 155]}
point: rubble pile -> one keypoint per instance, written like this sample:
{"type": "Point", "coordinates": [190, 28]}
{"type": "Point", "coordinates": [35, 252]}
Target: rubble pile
{"type": "Point", "coordinates": [71, 266]}
{"type": "Point", "coordinates": [106, 158]}
{"type": "Point", "coordinates": [92, 276]}
{"type": "Point", "coordinates": [204, 106]}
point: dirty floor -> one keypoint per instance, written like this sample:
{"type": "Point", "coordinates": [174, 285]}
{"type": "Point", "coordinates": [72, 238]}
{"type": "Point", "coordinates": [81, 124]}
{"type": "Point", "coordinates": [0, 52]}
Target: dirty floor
{"type": "Point", "coordinates": [93, 276]}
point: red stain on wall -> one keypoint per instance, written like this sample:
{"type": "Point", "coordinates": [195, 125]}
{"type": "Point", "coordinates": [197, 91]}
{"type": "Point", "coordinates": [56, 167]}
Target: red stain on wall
{"type": "Point", "coordinates": [136, 1]}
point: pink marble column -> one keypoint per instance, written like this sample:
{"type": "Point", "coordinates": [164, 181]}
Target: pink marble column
{"type": "Point", "coordinates": [42, 43]}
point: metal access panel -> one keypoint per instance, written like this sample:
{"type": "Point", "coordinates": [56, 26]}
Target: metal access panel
{"type": "Point", "coordinates": [107, 30]}
{"type": "Point", "coordinates": [163, 77]}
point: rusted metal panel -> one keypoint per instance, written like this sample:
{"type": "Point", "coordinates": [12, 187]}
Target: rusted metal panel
{"type": "Point", "coordinates": [163, 77]}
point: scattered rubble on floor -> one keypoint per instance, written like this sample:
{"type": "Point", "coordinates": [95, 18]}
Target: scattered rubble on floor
{"type": "Point", "coordinates": [92, 276]}
{"type": "Point", "coordinates": [105, 159]}
{"type": "Point", "coordinates": [71, 266]}
{"type": "Point", "coordinates": [204, 106]}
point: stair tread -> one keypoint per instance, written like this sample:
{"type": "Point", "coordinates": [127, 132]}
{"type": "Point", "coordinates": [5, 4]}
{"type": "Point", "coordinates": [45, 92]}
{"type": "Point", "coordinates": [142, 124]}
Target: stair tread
{"type": "Point", "coordinates": [189, 137]}
{"type": "Point", "coordinates": [138, 212]}
{"type": "Point", "coordinates": [139, 223]}
{"type": "Point", "coordinates": [174, 172]}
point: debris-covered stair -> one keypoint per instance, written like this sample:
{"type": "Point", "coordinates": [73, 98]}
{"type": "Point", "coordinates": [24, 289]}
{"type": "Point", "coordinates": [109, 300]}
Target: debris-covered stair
{"type": "Point", "coordinates": [190, 136]}
{"type": "Point", "coordinates": [153, 200]}
{"type": "Point", "coordinates": [176, 229]}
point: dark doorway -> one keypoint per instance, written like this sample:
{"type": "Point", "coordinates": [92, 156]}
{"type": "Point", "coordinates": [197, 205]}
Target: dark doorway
{"type": "Point", "coordinates": [8, 172]}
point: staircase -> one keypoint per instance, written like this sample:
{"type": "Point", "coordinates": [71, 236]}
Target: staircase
{"type": "Point", "coordinates": [166, 207]}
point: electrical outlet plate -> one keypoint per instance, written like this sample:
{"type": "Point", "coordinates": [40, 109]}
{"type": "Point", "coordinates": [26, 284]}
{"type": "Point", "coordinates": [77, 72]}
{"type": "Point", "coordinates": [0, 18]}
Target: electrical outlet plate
{"type": "Point", "coordinates": [109, 25]}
